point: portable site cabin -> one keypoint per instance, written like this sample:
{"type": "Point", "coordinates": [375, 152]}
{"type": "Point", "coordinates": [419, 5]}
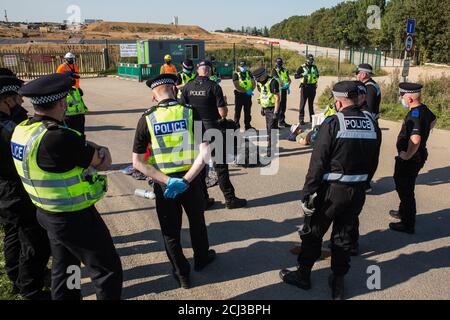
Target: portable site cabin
{"type": "Point", "coordinates": [151, 55]}
{"type": "Point", "coordinates": [153, 51]}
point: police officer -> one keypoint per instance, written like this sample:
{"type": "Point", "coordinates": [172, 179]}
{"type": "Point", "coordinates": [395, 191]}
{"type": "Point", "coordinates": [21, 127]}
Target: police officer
{"type": "Point", "coordinates": [412, 154]}
{"type": "Point", "coordinates": [282, 75]}
{"type": "Point", "coordinates": [269, 99]}
{"type": "Point", "coordinates": [215, 76]}
{"type": "Point", "coordinates": [75, 117]}
{"type": "Point", "coordinates": [58, 170]}
{"type": "Point", "coordinates": [373, 97]}
{"type": "Point", "coordinates": [175, 166]}
{"type": "Point", "coordinates": [244, 85]}
{"type": "Point", "coordinates": [187, 75]}
{"type": "Point", "coordinates": [309, 75]}
{"type": "Point", "coordinates": [207, 98]}
{"type": "Point", "coordinates": [334, 191]}
{"type": "Point", "coordinates": [26, 245]}
{"type": "Point", "coordinates": [18, 113]}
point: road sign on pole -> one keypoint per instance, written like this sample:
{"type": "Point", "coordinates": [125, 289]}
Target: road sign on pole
{"type": "Point", "coordinates": [409, 43]}
{"type": "Point", "coordinates": [411, 26]}
{"type": "Point", "coordinates": [406, 67]}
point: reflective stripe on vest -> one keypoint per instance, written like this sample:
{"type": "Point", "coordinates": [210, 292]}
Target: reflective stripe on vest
{"type": "Point", "coordinates": [246, 83]}
{"type": "Point", "coordinates": [267, 98]}
{"type": "Point", "coordinates": [75, 103]}
{"type": "Point", "coordinates": [186, 78]}
{"type": "Point", "coordinates": [312, 76]}
{"type": "Point", "coordinates": [376, 86]}
{"type": "Point", "coordinates": [283, 76]}
{"type": "Point", "coordinates": [173, 147]}
{"type": "Point", "coordinates": [337, 177]}
{"type": "Point", "coordinates": [356, 127]}
{"type": "Point", "coordinates": [71, 191]}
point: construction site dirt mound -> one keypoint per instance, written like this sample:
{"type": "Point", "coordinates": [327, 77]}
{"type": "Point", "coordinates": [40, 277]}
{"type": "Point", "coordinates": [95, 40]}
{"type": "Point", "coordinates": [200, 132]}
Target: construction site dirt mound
{"type": "Point", "coordinates": [151, 29]}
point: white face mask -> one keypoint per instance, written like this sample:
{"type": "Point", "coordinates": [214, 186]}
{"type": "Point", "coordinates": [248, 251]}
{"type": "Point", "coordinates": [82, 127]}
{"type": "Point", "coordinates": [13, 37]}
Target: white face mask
{"type": "Point", "coordinates": [404, 104]}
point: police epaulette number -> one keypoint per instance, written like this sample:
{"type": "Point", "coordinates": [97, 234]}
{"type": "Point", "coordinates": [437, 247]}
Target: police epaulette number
{"type": "Point", "coordinates": [150, 111]}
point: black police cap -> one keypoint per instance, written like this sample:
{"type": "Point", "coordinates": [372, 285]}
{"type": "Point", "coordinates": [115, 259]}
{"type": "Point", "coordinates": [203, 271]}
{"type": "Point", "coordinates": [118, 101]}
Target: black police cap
{"type": "Point", "coordinates": [164, 79]}
{"type": "Point", "coordinates": [188, 64]}
{"type": "Point", "coordinates": [346, 89]}
{"type": "Point", "coordinates": [408, 87]}
{"type": "Point", "coordinates": [47, 89]}
{"type": "Point", "coordinates": [10, 84]}
{"type": "Point", "coordinates": [260, 72]}
{"type": "Point", "coordinates": [365, 67]}
{"type": "Point", "coordinates": [205, 63]}
{"type": "Point", "coordinates": [7, 72]}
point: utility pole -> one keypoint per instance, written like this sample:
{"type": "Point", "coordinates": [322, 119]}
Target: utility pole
{"type": "Point", "coordinates": [6, 16]}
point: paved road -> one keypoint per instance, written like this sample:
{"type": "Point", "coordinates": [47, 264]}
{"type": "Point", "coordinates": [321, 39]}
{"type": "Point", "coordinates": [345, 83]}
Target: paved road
{"type": "Point", "coordinates": [253, 244]}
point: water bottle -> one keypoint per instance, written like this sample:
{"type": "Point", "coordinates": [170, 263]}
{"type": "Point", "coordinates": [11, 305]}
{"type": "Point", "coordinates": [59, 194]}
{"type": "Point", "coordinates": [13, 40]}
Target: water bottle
{"type": "Point", "coordinates": [145, 194]}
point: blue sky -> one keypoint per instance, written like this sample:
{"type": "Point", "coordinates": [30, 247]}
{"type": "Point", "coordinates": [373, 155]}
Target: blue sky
{"type": "Point", "coordinates": [209, 14]}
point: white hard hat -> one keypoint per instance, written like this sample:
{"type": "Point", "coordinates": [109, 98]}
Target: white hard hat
{"type": "Point", "coordinates": [69, 55]}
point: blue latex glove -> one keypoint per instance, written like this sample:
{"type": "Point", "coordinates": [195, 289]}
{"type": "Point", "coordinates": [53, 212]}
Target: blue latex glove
{"type": "Point", "coordinates": [250, 93]}
{"type": "Point", "coordinates": [175, 187]}
{"type": "Point", "coordinates": [286, 86]}
{"type": "Point", "coordinates": [289, 91]}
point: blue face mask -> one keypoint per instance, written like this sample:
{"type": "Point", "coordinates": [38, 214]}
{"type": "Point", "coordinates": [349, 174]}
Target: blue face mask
{"type": "Point", "coordinates": [243, 69]}
{"type": "Point", "coordinates": [187, 71]}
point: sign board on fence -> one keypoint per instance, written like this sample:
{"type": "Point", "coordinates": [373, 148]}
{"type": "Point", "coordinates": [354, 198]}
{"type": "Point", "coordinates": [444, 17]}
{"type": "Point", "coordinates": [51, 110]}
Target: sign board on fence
{"type": "Point", "coordinates": [411, 26]}
{"type": "Point", "coordinates": [409, 43]}
{"type": "Point", "coordinates": [10, 60]}
{"type": "Point", "coordinates": [129, 50]}
{"type": "Point", "coordinates": [406, 66]}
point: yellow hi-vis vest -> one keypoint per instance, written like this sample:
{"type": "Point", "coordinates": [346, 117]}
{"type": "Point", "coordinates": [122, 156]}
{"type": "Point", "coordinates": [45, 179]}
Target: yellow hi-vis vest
{"type": "Point", "coordinates": [171, 129]}
{"type": "Point", "coordinates": [245, 81]}
{"type": "Point", "coordinates": [75, 103]}
{"type": "Point", "coordinates": [71, 191]}
{"type": "Point", "coordinates": [185, 79]}
{"type": "Point", "coordinates": [283, 76]}
{"type": "Point", "coordinates": [266, 98]}
{"type": "Point", "coordinates": [310, 76]}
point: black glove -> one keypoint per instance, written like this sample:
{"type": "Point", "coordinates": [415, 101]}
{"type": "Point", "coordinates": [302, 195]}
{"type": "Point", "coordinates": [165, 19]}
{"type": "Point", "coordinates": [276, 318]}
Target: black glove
{"type": "Point", "coordinates": [81, 92]}
{"type": "Point", "coordinates": [263, 112]}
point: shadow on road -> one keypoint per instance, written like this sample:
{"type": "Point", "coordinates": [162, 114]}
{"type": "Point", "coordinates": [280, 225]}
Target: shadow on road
{"type": "Point", "coordinates": [108, 128]}
{"type": "Point", "coordinates": [253, 260]}
{"type": "Point", "coordinates": [433, 177]}
{"type": "Point", "coordinates": [126, 111]}
{"type": "Point", "coordinates": [430, 227]}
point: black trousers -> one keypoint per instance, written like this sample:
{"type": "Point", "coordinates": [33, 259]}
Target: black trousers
{"type": "Point", "coordinates": [76, 122]}
{"type": "Point", "coordinates": [26, 246]}
{"type": "Point", "coordinates": [243, 101]}
{"type": "Point", "coordinates": [170, 218]}
{"type": "Point", "coordinates": [271, 124]}
{"type": "Point", "coordinates": [307, 95]}
{"type": "Point", "coordinates": [283, 105]}
{"type": "Point", "coordinates": [82, 237]}
{"type": "Point", "coordinates": [340, 205]}
{"type": "Point", "coordinates": [405, 176]}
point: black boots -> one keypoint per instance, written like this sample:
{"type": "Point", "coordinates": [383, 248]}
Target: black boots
{"type": "Point", "coordinates": [236, 203]}
{"type": "Point", "coordinates": [200, 265]}
{"type": "Point", "coordinates": [336, 284]}
{"type": "Point", "coordinates": [395, 215]}
{"type": "Point", "coordinates": [401, 227]}
{"type": "Point", "coordinates": [300, 279]}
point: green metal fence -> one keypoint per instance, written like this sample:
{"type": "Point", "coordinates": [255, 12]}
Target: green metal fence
{"type": "Point", "coordinates": [372, 57]}
{"type": "Point", "coordinates": [143, 72]}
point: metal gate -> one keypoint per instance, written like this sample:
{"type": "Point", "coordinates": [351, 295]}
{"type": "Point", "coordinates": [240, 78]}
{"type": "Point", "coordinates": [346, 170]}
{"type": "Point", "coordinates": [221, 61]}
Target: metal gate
{"type": "Point", "coordinates": [34, 65]}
